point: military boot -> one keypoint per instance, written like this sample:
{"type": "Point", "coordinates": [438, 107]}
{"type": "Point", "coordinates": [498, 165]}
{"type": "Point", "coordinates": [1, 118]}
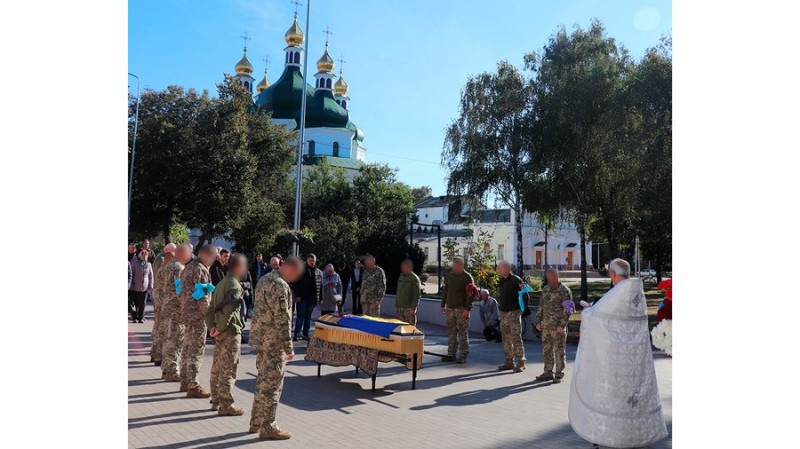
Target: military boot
{"type": "Point", "coordinates": [545, 376]}
{"type": "Point", "coordinates": [198, 392]}
{"type": "Point", "coordinates": [520, 367]}
{"type": "Point", "coordinates": [254, 428]}
{"type": "Point", "coordinates": [230, 410]}
{"type": "Point", "coordinates": [449, 358]}
{"type": "Point", "coordinates": [278, 434]}
{"type": "Point", "coordinates": [462, 359]}
{"type": "Point", "coordinates": [214, 405]}
{"type": "Point", "coordinates": [506, 366]}
{"type": "Point", "coordinates": [184, 387]}
{"type": "Point", "coordinates": [173, 378]}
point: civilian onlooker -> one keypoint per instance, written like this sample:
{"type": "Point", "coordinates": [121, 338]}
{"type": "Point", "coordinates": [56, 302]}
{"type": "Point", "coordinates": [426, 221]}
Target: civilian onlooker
{"type": "Point", "coordinates": [259, 268]}
{"type": "Point", "coordinates": [275, 263]}
{"type": "Point", "coordinates": [307, 292]}
{"type": "Point", "coordinates": [355, 284]}
{"type": "Point", "coordinates": [141, 285]}
{"type": "Point", "coordinates": [331, 290]}
{"type": "Point", "coordinates": [151, 255]}
{"type": "Point", "coordinates": [490, 316]}
{"type": "Point", "coordinates": [248, 287]}
{"type": "Point", "coordinates": [344, 274]}
{"type": "Point", "coordinates": [220, 267]}
{"type": "Point", "coordinates": [131, 251]}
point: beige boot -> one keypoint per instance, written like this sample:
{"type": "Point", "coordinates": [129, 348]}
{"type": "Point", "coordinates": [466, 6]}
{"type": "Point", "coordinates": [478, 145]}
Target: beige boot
{"type": "Point", "coordinates": [520, 367]}
{"type": "Point", "coordinates": [230, 410]}
{"type": "Point", "coordinates": [198, 392]}
{"type": "Point", "coordinates": [506, 366]}
{"type": "Point", "coordinates": [278, 434]}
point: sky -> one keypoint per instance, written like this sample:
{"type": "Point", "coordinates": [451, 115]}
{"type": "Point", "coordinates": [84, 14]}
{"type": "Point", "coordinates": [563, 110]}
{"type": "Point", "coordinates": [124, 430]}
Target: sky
{"type": "Point", "coordinates": [405, 62]}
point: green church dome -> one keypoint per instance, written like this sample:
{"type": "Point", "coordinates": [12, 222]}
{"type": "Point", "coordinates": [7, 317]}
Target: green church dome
{"type": "Point", "coordinates": [359, 135]}
{"type": "Point", "coordinates": [324, 111]}
{"type": "Point", "coordinates": [283, 98]}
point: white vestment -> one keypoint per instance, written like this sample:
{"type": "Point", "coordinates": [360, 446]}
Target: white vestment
{"type": "Point", "coordinates": [614, 398]}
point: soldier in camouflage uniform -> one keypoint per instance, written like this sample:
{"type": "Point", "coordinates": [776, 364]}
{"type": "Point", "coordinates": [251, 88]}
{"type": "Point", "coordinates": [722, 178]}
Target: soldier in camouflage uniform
{"type": "Point", "coordinates": [159, 327]}
{"type": "Point", "coordinates": [553, 319]}
{"type": "Point", "coordinates": [271, 336]}
{"type": "Point", "coordinates": [408, 293]}
{"type": "Point", "coordinates": [171, 312]}
{"type": "Point", "coordinates": [456, 305]}
{"type": "Point", "coordinates": [195, 281]}
{"type": "Point", "coordinates": [373, 287]}
{"type": "Point", "coordinates": [225, 319]}
{"type": "Point", "coordinates": [510, 317]}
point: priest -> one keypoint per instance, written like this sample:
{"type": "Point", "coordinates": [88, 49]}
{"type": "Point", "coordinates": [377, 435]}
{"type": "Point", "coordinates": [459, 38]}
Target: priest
{"type": "Point", "coordinates": [614, 400]}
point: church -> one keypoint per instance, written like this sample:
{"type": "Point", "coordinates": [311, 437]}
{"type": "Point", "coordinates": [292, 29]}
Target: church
{"type": "Point", "coordinates": [330, 134]}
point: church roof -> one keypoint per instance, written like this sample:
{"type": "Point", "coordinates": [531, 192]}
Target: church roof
{"type": "Point", "coordinates": [324, 112]}
{"type": "Point", "coordinates": [284, 97]}
{"type": "Point", "coordinates": [343, 162]}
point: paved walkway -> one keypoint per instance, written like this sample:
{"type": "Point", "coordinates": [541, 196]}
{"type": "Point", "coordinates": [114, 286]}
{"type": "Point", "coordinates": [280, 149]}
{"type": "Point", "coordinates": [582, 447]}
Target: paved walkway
{"type": "Point", "coordinates": [454, 406]}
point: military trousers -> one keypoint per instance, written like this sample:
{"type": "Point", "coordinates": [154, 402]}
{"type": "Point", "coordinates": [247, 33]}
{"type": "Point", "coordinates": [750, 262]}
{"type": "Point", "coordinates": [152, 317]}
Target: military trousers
{"type": "Point", "coordinates": [457, 331]}
{"type": "Point", "coordinates": [511, 331]}
{"type": "Point", "coordinates": [173, 339]}
{"type": "Point", "coordinates": [408, 315]}
{"type": "Point", "coordinates": [194, 343]}
{"type": "Point", "coordinates": [158, 332]}
{"type": "Point", "coordinates": [227, 349]}
{"type": "Point", "coordinates": [371, 308]}
{"type": "Point", "coordinates": [271, 365]}
{"type": "Point", "coordinates": [554, 347]}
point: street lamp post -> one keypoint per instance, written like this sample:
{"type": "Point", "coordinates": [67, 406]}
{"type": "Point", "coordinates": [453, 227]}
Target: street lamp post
{"type": "Point", "coordinates": [438, 247]}
{"type": "Point", "coordinates": [133, 148]}
{"type": "Point", "coordinates": [301, 144]}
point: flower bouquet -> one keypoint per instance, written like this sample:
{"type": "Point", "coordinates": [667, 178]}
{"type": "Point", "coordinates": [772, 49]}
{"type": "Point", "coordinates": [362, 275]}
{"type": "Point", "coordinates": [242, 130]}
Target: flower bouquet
{"type": "Point", "coordinates": [662, 336]}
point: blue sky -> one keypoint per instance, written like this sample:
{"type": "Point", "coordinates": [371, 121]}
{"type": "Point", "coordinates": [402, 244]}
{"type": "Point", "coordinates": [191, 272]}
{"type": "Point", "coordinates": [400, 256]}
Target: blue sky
{"type": "Point", "coordinates": [406, 62]}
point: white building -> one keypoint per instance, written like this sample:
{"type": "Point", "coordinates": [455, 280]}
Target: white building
{"type": "Point", "coordinates": [561, 248]}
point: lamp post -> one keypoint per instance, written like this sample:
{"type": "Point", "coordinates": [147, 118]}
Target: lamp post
{"type": "Point", "coordinates": [133, 149]}
{"type": "Point", "coordinates": [301, 144]}
{"type": "Point", "coordinates": [438, 247]}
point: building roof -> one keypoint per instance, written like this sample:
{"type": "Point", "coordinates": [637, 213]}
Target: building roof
{"type": "Point", "coordinates": [484, 216]}
{"type": "Point", "coordinates": [324, 112]}
{"type": "Point", "coordinates": [446, 233]}
{"type": "Point", "coordinates": [434, 201]}
{"type": "Point", "coordinates": [343, 162]}
{"type": "Point", "coordinates": [284, 97]}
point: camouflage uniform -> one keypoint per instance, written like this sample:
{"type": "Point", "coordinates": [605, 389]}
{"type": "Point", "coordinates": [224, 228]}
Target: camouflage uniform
{"type": "Point", "coordinates": [373, 287]}
{"type": "Point", "coordinates": [193, 317]}
{"type": "Point", "coordinates": [271, 335]}
{"type": "Point", "coordinates": [160, 325]}
{"type": "Point", "coordinates": [551, 315]}
{"type": "Point", "coordinates": [170, 316]}
{"type": "Point", "coordinates": [455, 298]}
{"type": "Point", "coordinates": [407, 298]}
{"type": "Point", "coordinates": [228, 321]}
{"type": "Point", "coordinates": [510, 316]}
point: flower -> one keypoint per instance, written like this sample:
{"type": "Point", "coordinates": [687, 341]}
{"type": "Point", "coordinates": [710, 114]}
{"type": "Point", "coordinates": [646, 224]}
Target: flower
{"type": "Point", "coordinates": [662, 336]}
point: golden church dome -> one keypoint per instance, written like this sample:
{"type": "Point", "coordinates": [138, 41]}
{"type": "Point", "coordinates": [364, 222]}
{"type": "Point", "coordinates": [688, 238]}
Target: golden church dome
{"type": "Point", "coordinates": [340, 87]}
{"type": "Point", "coordinates": [263, 84]}
{"type": "Point", "coordinates": [325, 63]}
{"type": "Point", "coordinates": [294, 36]}
{"type": "Point", "coordinates": [243, 67]}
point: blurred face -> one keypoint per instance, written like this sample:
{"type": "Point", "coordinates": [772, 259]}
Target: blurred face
{"type": "Point", "coordinates": [259, 258]}
{"type": "Point", "coordinates": [131, 248]}
{"type": "Point", "coordinates": [357, 264]}
{"type": "Point", "coordinates": [311, 261]}
{"type": "Point", "coordinates": [146, 245]}
{"type": "Point", "coordinates": [504, 270]}
{"type": "Point", "coordinates": [406, 267]}
{"type": "Point", "coordinates": [369, 262]}
{"type": "Point", "coordinates": [223, 258]}
{"type": "Point", "coordinates": [552, 278]}
{"type": "Point", "coordinates": [458, 266]}
{"type": "Point", "coordinates": [209, 257]}
{"type": "Point", "coordinates": [143, 255]}
{"type": "Point", "coordinates": [239, 271]}
{"type": "Point", "coordinates": [289, 272]}
{"type": "Point", "coordinates": [168, 257]}
{"type": "Point", "coordinates": [274, 263]}
{"type": "Point", "coordinates": [329, 269]}
{"type": "Point", "coordinates": [484, 296]}
{"type": "Point", "coordinates": [183, 254]}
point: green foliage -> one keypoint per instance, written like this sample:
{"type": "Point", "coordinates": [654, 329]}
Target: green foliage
{"type": "Point", "coordinates": [481, 261]}
{"type": "Point", "coordinates": [449, 251]}
{"type": "Point", "coordinates": [179, 233]}
{"type": "Point", "coordinates": [420, 193]}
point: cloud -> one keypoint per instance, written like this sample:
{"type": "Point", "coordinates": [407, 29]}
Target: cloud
{"type": "Point", "coordinates": [646, 19]}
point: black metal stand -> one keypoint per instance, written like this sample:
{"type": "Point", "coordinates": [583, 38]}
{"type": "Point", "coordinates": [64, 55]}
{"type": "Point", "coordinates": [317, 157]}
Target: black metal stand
{"type": "Point", "coordinates": [319, 369]}
{"type": "Point", "coordinates": [404, 359]}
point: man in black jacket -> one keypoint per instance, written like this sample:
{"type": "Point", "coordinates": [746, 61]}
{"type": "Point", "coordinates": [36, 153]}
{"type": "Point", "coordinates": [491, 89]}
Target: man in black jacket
{"type": "Point", "coordinates": [355, 279]}
{"type": "Point", "coordinates": [258, 268]}
{"type": "Point", "coordinates": [307, 291]}
{"type": "Point", "coordinates": [220, 267]}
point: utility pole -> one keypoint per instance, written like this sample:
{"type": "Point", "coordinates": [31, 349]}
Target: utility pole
{"type": "Point", "coordinates": [133, 149]}
{"type": "Point", "coordinates": [301, 144]}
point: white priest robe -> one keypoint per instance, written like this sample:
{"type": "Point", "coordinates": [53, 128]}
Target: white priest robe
{"type": "Point", "coordinates": [614, 399]}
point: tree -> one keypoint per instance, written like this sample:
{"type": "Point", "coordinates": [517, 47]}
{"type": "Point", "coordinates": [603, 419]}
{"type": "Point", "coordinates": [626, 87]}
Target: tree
{"type": "Point", "coordinates": [420, 193]}
{"type": "Point", "coordinates": [163, 144]}
{"type": "Point", "coordinates": [577, 79]}
{"type": "Point", "coordinates": [651, 88]}
{"type": "Point", "coordinates": [450, 247]}
{"type": "Point", "coordinates": [485, 148]}
{"type": "Point", "coordinates": [481, 260]}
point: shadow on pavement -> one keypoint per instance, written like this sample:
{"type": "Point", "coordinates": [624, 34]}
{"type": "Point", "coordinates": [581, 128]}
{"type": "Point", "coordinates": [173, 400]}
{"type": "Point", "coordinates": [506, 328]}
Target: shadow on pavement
{"type": "Point", "coordinates": [211, 415]}
{"type": "Point", "coordinates": [476, 397]}
{"type": "Point", "coordinates": [166, 415]}
{"type": "Point", "coordinates": [209, 441]}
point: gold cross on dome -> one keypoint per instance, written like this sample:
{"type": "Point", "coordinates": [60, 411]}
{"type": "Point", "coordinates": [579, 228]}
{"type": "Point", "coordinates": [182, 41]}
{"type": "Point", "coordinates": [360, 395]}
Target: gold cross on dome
{"type": "Point", "coordinates": [328, 33]}
{"type": "Point", "coordinates": [297, 4]}
{"type": "Point", "coordinates": [245, 38]}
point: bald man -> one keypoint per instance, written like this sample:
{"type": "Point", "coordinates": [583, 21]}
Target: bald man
{"type": "Point", "coordinates": [168, 248]}
{"type": "Point", "coordinates": [168, 286]}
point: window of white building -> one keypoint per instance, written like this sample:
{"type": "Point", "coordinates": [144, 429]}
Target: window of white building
{"type": "Point", "coordinates": [501, 249]}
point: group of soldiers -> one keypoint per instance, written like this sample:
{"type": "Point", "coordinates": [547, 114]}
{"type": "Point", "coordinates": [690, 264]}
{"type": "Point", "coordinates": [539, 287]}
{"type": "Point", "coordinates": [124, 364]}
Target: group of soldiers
{"type": "Point", "coordinates": [458, 293]}
{"type": "Point", "coordinates": [188, 306]}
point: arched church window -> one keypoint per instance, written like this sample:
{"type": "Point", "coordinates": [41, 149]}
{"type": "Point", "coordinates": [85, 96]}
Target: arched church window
{"type": "Point", "coordinates": [344, 104]}
{"type": "Point", "coordinates": [297, 57]}
{"type": "Point", "coordinates": [312, 148]}
{"type": "Point", "coordinates": [286, 58]}
{"type": "Point", "coordinates": [328, 83]}
{"type": "Point", "coordinates": [335, 149]}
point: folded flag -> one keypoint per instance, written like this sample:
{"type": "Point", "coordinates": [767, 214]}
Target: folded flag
{"type": "Point", "coordinates": [375, 327]}
{"type": "Point", "coordinates": [177, 286]}
{"type": "Point", "coordinates": [526, 289]}
{"type": "Point", "coordinates": [201, 290]}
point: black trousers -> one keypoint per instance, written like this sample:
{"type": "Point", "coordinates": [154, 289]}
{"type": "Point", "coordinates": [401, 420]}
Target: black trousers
{"type": "Point", "coordinates": [357, 310]}
{"type": "Point", "coordinates": [344, 298]}
{"type": "Point", "coordinates": [139, 299]}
